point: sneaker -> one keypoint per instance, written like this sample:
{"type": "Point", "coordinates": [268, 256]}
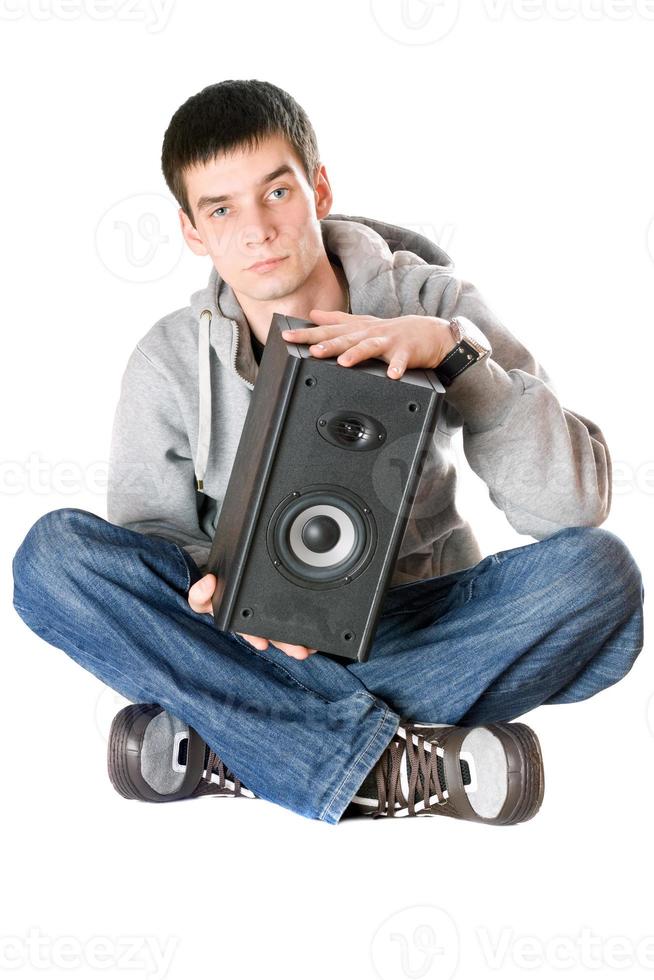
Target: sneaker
{"type": "Point", "coordinates": [490, 773]}
{"type": "Point", "coordinates": [155, 757]}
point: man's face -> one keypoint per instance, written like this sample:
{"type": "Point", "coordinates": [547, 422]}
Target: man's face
{"type": "Point", "coordinates": [244, 216]}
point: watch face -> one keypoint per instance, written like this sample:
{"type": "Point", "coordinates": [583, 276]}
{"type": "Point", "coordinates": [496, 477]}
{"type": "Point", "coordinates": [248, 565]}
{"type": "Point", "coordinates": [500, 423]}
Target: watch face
{"type": "Point", "coordinates": [467, 330]}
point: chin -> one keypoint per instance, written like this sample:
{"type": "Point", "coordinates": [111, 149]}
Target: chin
{"type": "Point", "coordinates": [276, 290]}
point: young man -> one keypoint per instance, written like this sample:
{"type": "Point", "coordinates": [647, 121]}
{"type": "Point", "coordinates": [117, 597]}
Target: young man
{"type": "Point", "coordinates": [464, 644]}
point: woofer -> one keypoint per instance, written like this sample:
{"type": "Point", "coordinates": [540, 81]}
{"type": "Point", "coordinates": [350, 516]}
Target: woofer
{"type": "Point", "coordinates": [321, 536]}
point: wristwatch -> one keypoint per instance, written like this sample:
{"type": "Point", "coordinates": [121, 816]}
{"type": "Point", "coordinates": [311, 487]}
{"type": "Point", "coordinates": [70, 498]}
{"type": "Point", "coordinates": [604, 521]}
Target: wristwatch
{"type": "Point", "coordinates": [470, 346]}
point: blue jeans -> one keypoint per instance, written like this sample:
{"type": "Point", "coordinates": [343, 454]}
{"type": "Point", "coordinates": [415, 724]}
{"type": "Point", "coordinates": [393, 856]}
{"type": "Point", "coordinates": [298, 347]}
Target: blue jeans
{"type": "Point", "coordinates": [549, 622]}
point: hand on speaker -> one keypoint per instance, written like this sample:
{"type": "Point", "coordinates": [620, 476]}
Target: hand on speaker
{"type": "Point", "coordinates": [404, 342]}
{"type": "Point", "coordinates": [199, 599]}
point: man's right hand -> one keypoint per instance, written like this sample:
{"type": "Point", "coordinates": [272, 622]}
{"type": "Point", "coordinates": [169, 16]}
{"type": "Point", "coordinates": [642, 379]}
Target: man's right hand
{"type": "Point", "coordinates": [199, 599]}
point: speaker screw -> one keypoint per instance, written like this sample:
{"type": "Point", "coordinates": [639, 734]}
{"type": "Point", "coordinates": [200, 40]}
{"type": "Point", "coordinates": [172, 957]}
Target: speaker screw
{"type": "Point", "coordinates": [275, 562]}
{"type": "Point", "coordinates": [347, 578]}
{"type": "Point", "coordinates": [366, 510]}
{"type": "Point", "coordinates": [322, 422]}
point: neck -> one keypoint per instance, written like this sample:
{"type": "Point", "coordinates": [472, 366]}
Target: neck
{"type": "Point", "coordinates": [326, 289]}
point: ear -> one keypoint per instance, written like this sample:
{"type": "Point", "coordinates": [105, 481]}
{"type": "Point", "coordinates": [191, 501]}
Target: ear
{"type": "Point", "coordinates": [323, 193]}
{"type": "Point", "coordinates": [190, 234]}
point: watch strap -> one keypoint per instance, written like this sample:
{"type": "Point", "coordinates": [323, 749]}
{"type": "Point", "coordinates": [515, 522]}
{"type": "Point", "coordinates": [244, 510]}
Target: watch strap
{"type": "Point", "coordinates": [463, 354]}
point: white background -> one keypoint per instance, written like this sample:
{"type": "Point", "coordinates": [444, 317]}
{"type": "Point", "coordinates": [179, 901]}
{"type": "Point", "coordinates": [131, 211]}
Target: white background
{"type": "Point", "coordinates": [519, 136]}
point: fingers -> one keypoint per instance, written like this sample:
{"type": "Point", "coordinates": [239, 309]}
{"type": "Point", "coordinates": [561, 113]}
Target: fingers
{"type": "Point", "coordinates": [259, 642]}
{"type": "Point", "coordinates": [295, 650]}
{"type": "Point", "coordinates": [201, 592]}
{"type": "Point", "coordinates": [347, 351]}
{"type": "Point", "coordinates": [308, 335]}
{"type": "Point", "coordinates": [330, 347]}
{"type": "Point", "coordinates": [370, 347]}
{"type": "Point", "coordinates": [398, 364]}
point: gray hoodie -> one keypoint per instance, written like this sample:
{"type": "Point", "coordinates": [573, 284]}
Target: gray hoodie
{"type": "Point", "coordinates": [188, 382]}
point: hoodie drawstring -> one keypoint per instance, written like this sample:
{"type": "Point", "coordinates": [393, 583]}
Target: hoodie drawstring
{"type": "Point", "coordinates": [204, 389]}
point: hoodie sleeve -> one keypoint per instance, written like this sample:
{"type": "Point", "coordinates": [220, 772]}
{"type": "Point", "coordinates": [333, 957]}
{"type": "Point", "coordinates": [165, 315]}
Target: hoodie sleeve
{"type": "Point", "coordinates": [151, 481]}
{"type": "Point", "coordinates": [546, 466]}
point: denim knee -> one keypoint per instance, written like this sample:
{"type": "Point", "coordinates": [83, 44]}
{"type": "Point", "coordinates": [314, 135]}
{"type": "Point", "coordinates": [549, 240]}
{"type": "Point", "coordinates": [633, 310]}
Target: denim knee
{"type": "Point", "coordinates": [602, 557]}
{"type": "Point", "coordinates": [49, 540]}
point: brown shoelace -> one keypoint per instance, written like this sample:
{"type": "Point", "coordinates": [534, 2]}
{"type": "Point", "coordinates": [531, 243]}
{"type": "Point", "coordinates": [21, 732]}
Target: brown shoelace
{"type": "Point", "coordinates": [206, 786]}
{"type": "Point", "coordinates": [422, 769]}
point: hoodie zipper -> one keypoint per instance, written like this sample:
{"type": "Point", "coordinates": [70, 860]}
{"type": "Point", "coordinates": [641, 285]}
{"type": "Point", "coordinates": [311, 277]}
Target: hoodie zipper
{"type": "Point", "coordinates": [238, 375]}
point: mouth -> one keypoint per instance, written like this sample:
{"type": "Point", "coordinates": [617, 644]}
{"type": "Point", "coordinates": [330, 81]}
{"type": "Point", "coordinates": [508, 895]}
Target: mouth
{"type": "Point", "coordinates": [266, 264]}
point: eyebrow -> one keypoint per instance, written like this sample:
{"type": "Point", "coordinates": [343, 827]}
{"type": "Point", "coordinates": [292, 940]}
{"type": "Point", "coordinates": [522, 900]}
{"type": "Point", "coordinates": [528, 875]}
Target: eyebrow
{"type": "Point", "coordinates": [208, 200]}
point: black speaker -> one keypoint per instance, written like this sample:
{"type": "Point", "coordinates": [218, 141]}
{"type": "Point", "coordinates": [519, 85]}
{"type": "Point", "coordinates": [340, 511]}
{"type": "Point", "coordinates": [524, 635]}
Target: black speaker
{"type": "Point", "coordinates": [310, 528]}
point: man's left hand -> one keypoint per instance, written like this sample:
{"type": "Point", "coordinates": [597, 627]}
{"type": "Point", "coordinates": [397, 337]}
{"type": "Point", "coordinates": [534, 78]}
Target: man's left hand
{"type": "Point", "coordinates": [404, 342]}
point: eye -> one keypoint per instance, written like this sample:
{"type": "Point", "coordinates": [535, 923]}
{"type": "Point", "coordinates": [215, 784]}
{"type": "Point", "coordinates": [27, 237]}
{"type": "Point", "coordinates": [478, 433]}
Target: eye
{"type": "Point", "coordinates": [284, 189]}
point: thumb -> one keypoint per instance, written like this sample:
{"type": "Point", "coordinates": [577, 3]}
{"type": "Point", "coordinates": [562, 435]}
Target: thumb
{"type": "Point", "coordinates": [204, 587]}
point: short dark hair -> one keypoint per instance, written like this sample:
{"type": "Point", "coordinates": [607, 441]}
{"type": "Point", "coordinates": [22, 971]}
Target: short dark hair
{"type": "Point", "coordinates": [229, 115]}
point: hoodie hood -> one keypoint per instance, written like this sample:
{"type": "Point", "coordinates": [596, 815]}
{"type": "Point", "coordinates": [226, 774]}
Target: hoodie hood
{"type": "Point", "coordinates": [386, 267]}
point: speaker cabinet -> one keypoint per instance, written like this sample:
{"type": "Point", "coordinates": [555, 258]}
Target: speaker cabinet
{"type": "Point", "coordinates": [311, 525]}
